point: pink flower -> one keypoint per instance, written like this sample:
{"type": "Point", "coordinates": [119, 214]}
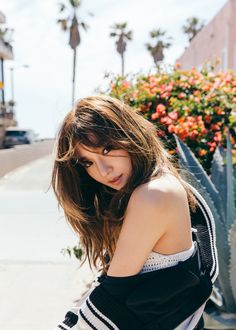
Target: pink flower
{"type": "Point", "coordinates": [171, 128]}
{"type": "Point", "coordinates": [168, 121]}
{"type": "Point", "coordinates": [173, 115]}
{"type": "Point", "coordinates": [160, 108]}
{"type": "Point", "coordinates": [181, 95]}
{"type": "Point", "coordinates": [169, 88]}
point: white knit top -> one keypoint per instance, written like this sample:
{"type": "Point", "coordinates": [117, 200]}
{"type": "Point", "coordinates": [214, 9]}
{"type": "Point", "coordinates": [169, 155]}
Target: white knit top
{"type": "Point", "coordinates": [159, 261]}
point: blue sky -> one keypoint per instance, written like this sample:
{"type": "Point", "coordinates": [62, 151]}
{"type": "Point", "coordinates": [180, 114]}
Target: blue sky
{"type": "Point", "coordinates": [43, 91]}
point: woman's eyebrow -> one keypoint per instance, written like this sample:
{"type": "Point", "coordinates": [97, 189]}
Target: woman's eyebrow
{"type": "Point", "coordinates": [82, 159]}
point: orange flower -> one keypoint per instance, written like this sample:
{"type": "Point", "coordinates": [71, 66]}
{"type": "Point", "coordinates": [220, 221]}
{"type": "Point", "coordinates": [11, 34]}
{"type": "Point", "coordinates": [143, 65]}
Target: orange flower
{"type": "Point", "coordinates": [185, 108]}
{"type": "Point", "coordinates": [155, 116]}
{"type": "Point", "coordinates": [215, 127]}
{"type": "Point", "coordinates": [202, 152]}
{"type": "Point", "coordinates": [206, 88]}
{"type": "Point", "coordinates": [207, 119]}
{"type": "Point", "coordinates": [232, 140]}
{"type": "Point", "coordinates": [177, 65]}
{"type": "Point", "coordinates": [218, 137]}
{"type": "Point", "coordinates": [193, 134]}
{"type": "Point", "coordinates": [134, 94]}
{"type": "Point", "coordinates": [125, 84]}
{"type": "Point", "coordinates": [219, 111]}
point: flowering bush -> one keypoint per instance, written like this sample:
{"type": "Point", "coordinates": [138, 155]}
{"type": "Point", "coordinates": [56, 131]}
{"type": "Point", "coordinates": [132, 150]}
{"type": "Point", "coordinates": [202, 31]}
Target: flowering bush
{"type": "Point", "coordinates": [196, 106]}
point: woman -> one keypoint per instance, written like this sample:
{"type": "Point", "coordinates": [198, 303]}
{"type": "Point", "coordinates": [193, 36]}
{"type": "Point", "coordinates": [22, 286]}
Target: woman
{"type": "Point", "coordinates": [133, 212]}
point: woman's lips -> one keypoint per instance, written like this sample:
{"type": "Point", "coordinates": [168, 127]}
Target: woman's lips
{"type": "Point", "coordinates": [116, 180]}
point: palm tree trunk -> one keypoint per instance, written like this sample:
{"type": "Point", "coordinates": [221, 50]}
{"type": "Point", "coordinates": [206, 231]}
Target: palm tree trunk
{"type": "Point", "coordinates": [122, 65]}
{"type": "Point", "coordinates": [73, 77]}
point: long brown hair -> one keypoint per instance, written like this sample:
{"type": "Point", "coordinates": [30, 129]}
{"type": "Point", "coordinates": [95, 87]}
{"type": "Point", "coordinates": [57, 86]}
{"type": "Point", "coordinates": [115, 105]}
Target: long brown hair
{"type": "Point", "coordinates": [93, 210]}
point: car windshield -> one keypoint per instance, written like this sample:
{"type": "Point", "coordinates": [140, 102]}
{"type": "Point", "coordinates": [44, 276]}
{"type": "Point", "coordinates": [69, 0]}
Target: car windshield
{"type": "Point", "coordinates": [15, 133]}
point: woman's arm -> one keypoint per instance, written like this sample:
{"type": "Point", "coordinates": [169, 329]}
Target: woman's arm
{"type": "Point", "coordinates": [149, 213]}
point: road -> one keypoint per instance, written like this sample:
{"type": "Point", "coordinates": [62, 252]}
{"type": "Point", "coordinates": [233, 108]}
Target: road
{"type": "Point", "coordinates": [37, 283]}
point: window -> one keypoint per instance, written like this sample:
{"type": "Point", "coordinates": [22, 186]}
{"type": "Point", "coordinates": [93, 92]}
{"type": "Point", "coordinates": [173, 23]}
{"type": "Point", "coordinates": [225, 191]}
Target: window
{"type": "Point", "coordinates": [224, 59]}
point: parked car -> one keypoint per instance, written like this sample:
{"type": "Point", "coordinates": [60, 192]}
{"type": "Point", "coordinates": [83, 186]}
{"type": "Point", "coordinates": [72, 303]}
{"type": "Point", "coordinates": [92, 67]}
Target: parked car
{"type": "Point", "coordinates": [15, 136]}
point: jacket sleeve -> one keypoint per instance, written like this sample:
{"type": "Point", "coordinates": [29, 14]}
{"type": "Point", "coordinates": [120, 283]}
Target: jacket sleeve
{"type": "Point", "coordinates": [103, 311]}
{"type": "Point", "coordinates": [128, 303]}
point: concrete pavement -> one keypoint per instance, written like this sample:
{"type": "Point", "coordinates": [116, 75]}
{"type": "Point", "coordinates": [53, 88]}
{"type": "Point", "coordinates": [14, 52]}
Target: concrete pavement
{"type": "Point", "coordinates": [37, 296]}
{"type": "Point", "coordinates": [37, 283]}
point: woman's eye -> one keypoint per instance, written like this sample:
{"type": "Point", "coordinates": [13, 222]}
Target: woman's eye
{"type": "Point", "coordinates": [86, 164]}
{"type": "Point", "coordinates": [107, 149]}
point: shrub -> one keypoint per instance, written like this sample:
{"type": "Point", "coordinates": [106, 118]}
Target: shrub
{"type": "Point", "coordinates": [197, 106]}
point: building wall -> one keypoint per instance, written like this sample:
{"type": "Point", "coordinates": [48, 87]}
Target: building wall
{"type": "Point", "coordinates": [6, 113]}
{"type": "Point", "coordinates": [2, 18]}
{"type": "Point", "coordinates": [217, 40]}
{"type": "Point", "coordinates": [232, 36]}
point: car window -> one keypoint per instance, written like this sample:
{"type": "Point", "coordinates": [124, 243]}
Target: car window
{"type": "Point", "coordinates": [15, 133]}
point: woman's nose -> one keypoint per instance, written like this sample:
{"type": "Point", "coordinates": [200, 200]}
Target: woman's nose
{"type": "Point", "coordinates": [104, 168]}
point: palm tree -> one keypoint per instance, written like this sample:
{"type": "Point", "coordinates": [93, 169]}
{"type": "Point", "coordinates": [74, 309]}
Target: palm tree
{"type": "Point", "coordinates": [157, 51]}
{"type": "Point", "coordinates": [121, 42]}
{"type": "Point", "coordinates": [72, 23]}
{"type": "Point", "coordinates": [192, 27]}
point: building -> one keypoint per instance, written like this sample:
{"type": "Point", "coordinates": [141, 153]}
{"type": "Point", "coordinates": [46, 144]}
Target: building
{"type": "Point", "coordinates": [216, 41]}
{"type": "Point", "coordinates": [6, 111]}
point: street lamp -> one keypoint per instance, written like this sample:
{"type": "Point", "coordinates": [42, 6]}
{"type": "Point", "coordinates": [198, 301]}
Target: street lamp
{"type": "Point", "coordinates": [12, 79]}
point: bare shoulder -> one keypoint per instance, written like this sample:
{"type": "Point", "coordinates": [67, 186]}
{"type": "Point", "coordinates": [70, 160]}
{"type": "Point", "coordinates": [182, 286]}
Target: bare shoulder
{"type": "Point", "coordinates": [158, 194]}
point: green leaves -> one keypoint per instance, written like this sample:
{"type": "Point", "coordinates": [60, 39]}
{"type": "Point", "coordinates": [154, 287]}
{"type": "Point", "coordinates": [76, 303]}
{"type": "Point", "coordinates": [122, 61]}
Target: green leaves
{"type": "Point", "coordinates": [193, 27]}
{"type": "Point", "coordinates": [75, 3]}
{"type": "Point", "coordinates": [75, 251]}
{"type": "Point", "coordinates": [218, 191]}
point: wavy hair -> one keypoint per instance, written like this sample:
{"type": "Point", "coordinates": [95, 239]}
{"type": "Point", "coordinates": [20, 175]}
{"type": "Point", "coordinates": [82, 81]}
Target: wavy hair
{"type": "Point", "coordinates": [95, 211]}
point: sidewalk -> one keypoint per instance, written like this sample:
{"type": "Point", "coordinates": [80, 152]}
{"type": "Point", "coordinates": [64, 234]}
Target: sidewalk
{"type": "Point", "coordinates": [36, 296]}
{"type": "Point", "coordinates": [37, 283]}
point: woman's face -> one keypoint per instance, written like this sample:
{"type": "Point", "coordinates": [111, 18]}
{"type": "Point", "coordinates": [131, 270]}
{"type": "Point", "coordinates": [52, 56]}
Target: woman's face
{"type": "Point", "coordinates": [111, 167]}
